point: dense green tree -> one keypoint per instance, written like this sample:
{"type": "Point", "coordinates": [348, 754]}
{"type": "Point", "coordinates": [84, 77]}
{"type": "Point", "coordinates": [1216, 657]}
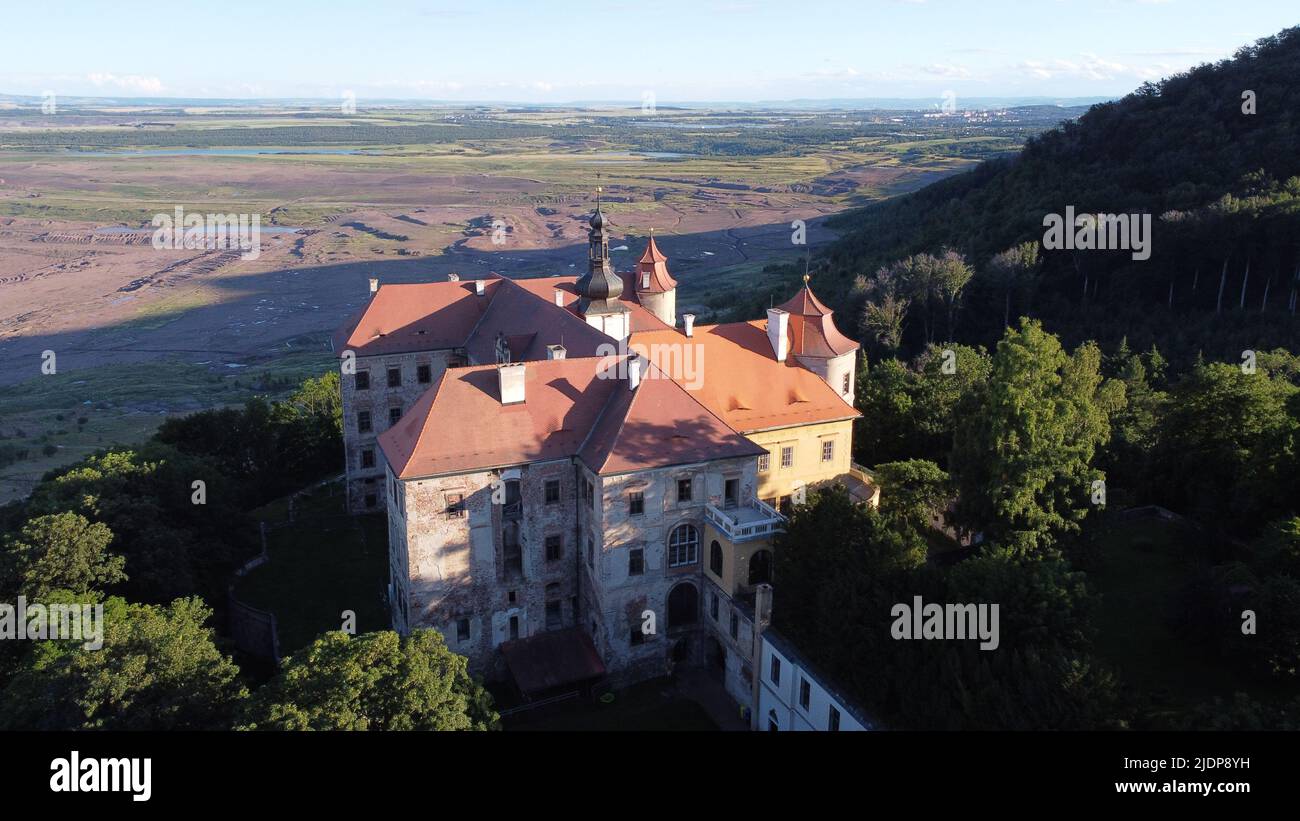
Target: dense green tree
{"type": "Point", "coordinates": [910, 412]}
{"type": "Point", "coordinates": [912, 491]}
{"type": "Point", "coordinates": [1025, 440]}
{"type": "Point", "coordinates": [269, 449]}
{"type": "Point", "coordinates": [376, 681]}
{"type": "Point", "coordinates": [843, 568]}
{"type": "Point", "coordinates": [173, 545]}
{"type": "Point", "coordinates": [62, 551]}
{"type": "Point", "coordinates": [1226, 445]}
{"type": "Point", "coordinates": [1126, 459]}
{"type": "Point", "coordinates": [158, 669]}
{"type": "Point", "coordinates": [1013, 270]}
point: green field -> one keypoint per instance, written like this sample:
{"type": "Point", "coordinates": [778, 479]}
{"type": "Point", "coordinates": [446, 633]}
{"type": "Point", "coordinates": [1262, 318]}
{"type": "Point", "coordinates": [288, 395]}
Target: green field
{"type": "Point", "coordinates": [60, 418]}
{"type": "Point", "coordinates": [323, 563]}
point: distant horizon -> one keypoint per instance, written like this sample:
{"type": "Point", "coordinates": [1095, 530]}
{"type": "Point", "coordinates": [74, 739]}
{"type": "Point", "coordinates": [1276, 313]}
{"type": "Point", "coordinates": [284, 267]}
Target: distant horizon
{"type": "Point", "coordinates": [679, 51]}
{"type": "Point", "coordinates": [11, 101]}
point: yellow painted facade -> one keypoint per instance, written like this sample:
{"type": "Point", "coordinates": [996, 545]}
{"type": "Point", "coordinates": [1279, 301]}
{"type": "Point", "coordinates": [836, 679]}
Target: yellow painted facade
{"type": "Point", "coordinates": [734, 578]}
{"type": "Point", "coordinates": [796, 457]}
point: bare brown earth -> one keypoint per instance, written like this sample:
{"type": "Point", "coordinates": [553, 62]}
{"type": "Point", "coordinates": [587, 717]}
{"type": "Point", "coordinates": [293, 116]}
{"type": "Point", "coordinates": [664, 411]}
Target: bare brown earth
{"type": "Point", "coordinates": [97, 298]}
{"type": "Point", "coordinates": [140, 333]}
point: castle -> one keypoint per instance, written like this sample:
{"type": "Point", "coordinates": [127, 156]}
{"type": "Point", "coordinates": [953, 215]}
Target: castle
{"type": "Point", "coordinates": [578, 487]}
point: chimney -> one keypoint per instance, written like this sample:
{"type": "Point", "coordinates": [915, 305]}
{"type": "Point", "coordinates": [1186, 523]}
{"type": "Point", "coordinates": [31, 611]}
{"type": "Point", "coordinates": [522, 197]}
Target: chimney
{"type": "Point", "coordinates": [559, 297]}
{"type": "Point", "coordinates": [633, 372]}
{"type": "Point", "coordinates": [374, 286]}
{"type": "Point", "coordinates": [511, 380]}
{"type": "Point", "coordinates": [688, 320]}
{"type": "Point", "coordinates": [778, 332]}
{"type": "Point", "coordinates": [555, 351]}
{"type": "Point", "coordinates": [479, 286]}
{"type": "Point", "coordinates": [453, 277]}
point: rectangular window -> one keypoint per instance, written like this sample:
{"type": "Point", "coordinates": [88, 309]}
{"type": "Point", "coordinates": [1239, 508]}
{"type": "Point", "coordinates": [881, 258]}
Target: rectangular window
{"type": "Point", "coordinates": [362, 382]}
{"type": "Point", "coordinates": [591, 493]}
{"type": "Point", "coordinates": [462, 630]}
{"type": "Point", "coordinates": [787, 456]}
{"type": "Point", "coordinates": [636, 561]}
{"type": "Point", "coordinates": [514, 627]}
{"type": "Point", "coordinates": [424, 374]}
{"type": "Point", "coordinates": [683, 490]}
{"type": "Point", "coordinates": [713, 606]}
{"type": "Point", "coordinates": [775, 672]}
{"type": "Point", "coordinates": [784, 506]}
{"type": "Point", "coordinates": [833, 720]}
{"type": "Point", "coordinates": [805, 693]}
{"type": "Point", "coordinates": [730, 492]}
{"type": "Point", "coordinates": [368, 458]}
{"type": "Point", "coordinates": [828, 450]}
{"type": "Point", "coordinates": [635, 503]}
{"type": "Point", "coordinates": [394, 416]}
{"type": "Point", "coordinates": [554, 615]}
{"type": "Point", "coordinates": [371, 500]}
{"type": "Point", "coordinates": [363, 421]}
{"type": "Point", "coordinates": [554, 548]}
{"type": "Point", "coordinates": [455, 505]}
{"type": "Point", "coordinates": [591, 553]}
{"type": "Point", "coordinates": [552, 491]}
{"type": "Point", "coordinates": [735, 625]}
{"type": "Point", "coordinates": [764, 463]}
{"type": "Point", "coordinates": [845, 389]}
{"type": "Point", "coordinates": [394, 377]}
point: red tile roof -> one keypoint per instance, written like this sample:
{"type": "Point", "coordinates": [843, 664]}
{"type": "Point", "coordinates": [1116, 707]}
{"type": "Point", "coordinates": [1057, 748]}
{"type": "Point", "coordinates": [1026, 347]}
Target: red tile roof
{"type": "Point", "coordinates": [652, 275]}
{"type": "Point", "coordinates": [657, 425]}
{"type": "Point", "coordinates": [416, 317]}
{"type": "Point", "coordinates": [572, 407]}
{"type": "Point", "coordinates": [812, 331]}
{"type": "Point", "coordinates": [529, 326]}
{"type": "Point", "coordinates": [740, 380]}
{"type": "Point", "coordinates": [459, 424]}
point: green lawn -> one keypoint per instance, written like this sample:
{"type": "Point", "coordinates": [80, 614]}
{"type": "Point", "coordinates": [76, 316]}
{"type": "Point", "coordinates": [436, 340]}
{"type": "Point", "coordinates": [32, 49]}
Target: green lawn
{"type": "Point", "coordinates": [322, 564]}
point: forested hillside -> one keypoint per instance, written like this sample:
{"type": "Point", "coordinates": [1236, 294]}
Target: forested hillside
{"type": "Point", "coordinates": [1222, 187]}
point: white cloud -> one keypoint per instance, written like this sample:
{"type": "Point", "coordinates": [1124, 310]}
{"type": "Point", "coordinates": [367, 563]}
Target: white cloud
{"type": "Point", "coordinates": [126, 82]}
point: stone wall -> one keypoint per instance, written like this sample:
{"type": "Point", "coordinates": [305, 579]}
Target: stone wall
{"type": "Point", "coordinates": [459, 568]}
{"type": "Point", "coordinates": [366, 486]}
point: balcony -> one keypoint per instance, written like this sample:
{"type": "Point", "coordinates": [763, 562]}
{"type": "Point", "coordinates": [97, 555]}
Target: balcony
{"type": "Point", "coordinates": [861, 484]}
{"type": "Point", "coordinates": [745, 522]}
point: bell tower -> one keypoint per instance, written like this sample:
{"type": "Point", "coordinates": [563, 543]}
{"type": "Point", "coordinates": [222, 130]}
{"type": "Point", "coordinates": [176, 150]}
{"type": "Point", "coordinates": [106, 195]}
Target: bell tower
{"type": "Point", "coordinates": [599, 290]}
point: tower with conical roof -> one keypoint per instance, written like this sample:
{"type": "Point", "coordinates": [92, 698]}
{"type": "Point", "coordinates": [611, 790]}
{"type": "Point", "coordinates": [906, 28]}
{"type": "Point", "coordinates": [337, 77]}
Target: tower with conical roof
{"type": "Point", "coordinates": [814, 341]}
{"type": "Point", "coordinates": [600, 288]}
{"type": "Point", "coordinates": [655, 287]}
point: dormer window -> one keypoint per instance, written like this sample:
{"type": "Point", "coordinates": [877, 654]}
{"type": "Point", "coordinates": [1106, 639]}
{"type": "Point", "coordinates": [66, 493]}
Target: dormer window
{"type": "Point", "coordinates": [645, 282]}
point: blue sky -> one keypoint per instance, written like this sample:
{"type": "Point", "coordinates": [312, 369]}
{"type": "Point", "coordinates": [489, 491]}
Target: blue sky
{"type": "Point", "coordinates": [681, 50]}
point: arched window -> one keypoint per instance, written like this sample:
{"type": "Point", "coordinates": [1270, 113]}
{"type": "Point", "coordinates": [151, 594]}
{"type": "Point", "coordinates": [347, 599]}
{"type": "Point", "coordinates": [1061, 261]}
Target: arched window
{"type": "Point", "coordinates": [715, 558]}
{"type": "Point", "coordinates": [683, 546]}
{"type": "Point", "coordinates": [683, 605]}
{"type": "Point", "coordinates": [760, 567]}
